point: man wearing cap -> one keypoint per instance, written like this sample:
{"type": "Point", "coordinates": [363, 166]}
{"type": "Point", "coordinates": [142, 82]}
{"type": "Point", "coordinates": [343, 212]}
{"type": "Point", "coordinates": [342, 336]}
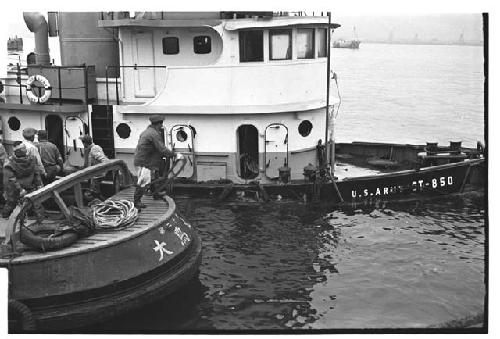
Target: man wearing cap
{"type": "Point", "coordinates": [29, 138]}
{"type": "Point", "coordinates": [51, 158]}
{"type": "Point", "coordinates": [148, 156]}
{"type": "Point", "coordinates": [20, 176]}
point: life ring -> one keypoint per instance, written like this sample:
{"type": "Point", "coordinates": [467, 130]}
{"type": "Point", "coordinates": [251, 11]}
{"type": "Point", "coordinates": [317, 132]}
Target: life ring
{"type": "Point", "coordinates": [45, 83]}
{"type": "Point", "coordinates": [31, 236]}
{"type": "Point", "coordinates": [22, 313]}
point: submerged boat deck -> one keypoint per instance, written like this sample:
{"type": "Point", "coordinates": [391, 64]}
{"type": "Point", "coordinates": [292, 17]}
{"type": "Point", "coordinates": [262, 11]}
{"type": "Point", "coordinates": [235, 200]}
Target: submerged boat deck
{"type": "Point", "coordinates": [155, 212]}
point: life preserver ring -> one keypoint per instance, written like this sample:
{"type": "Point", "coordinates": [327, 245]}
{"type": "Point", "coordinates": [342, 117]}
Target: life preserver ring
{"type": "Point", "coordinates": [30, 236]}
{"type": "Point", "coordinates": [45, 83]}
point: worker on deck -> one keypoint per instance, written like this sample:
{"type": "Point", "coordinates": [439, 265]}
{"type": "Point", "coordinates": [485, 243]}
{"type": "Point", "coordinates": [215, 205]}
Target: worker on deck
{"type": "Point", "coordinates": [21, 175]}
{"type": "Point", "coordinates": [3, 156]}
{"type": "Point", "coordinates": [29, 138]}
{"type": "Point", "coordinates": [148, 157]}
{"type": "Point", "coordinates": [51, 157]}
{"type": "Point", "coordinates": [93, 155]}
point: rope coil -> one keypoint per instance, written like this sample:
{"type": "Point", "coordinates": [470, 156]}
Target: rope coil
{"type": "Point", "coordinates": [114, 214]}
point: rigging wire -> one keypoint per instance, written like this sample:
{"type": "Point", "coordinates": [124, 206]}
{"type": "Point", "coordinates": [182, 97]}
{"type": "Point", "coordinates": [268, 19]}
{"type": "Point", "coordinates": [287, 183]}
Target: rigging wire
{"type": "Point", "coordinates": [334, 77]}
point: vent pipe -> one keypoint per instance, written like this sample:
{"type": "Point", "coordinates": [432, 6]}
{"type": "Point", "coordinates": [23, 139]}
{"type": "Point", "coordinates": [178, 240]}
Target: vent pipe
{"type": "Point", "coordinates": [37, 24]}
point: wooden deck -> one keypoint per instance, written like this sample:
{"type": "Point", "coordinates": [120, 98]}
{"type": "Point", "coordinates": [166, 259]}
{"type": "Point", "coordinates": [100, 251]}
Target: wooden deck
{"type": "Point", "coordinates": [155, 212]}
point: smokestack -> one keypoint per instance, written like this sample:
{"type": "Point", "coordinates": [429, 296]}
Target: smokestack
{"type": "Point", "coordinates": [37, 24]}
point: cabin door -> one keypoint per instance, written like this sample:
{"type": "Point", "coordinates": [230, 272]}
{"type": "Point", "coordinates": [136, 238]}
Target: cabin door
{"type": "Point", "coordinates": [74, 128]}
{"type": "Point", "coordinates": [276, 152]}
{"type": "Point", "coordinates": [55, 132]}
{"type": "Point", "coordinates": [144, 77]}
{"type": "Point", "coordinates": [248, 151]}
{"type": "Point", "coordinates": [182, 141]}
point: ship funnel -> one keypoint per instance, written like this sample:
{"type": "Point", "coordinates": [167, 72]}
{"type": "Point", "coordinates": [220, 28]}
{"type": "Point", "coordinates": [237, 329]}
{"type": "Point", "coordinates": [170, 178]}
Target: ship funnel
{"type": "Point", "coordinates": [37, 24]}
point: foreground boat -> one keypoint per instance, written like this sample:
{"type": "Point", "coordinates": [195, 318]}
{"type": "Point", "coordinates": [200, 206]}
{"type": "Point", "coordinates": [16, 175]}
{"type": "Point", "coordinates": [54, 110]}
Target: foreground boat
{"type": "Point", "coordinates": [102, 275]}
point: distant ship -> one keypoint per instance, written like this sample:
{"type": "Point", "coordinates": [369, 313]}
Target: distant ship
{"type": "Point", "coordinates": [346, 44]}
{"type": "Point", "coordinates": [354, 43]}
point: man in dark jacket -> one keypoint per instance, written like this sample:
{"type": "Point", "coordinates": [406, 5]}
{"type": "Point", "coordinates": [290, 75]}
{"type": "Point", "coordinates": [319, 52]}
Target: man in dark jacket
{"type": "Point", "coordinates": [148, 157]}
{"type": "Point", "coordinates": [51, 158]}
{"type": "Point", "coordinates": [3, 156]}
{"type": "Point", "coordinates": [20, 176]}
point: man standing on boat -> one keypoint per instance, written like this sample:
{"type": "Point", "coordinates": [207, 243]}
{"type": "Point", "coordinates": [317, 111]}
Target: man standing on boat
{"type": "Point", "coordinates": [21, 175]}
{"type": "Point", "coordinates": [148, 157]}
{"type": "Point", "coordinates": [93, 155]}
{"type": "Point", "coordinates": [3, 156]}
{"type": "Point", "coordinates": [29, 138]}
{"type": "Point", "coordinates": [51, 158]}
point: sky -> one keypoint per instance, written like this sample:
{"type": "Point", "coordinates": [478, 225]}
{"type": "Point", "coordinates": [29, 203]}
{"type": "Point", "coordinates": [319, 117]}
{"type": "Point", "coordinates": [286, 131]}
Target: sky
{"type": "Point", "coordinates": [443, 27]}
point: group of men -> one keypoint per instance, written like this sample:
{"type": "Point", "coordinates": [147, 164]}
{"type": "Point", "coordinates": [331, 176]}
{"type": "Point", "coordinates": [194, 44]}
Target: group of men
{"type": "Point", "coordinates": [33, 165]}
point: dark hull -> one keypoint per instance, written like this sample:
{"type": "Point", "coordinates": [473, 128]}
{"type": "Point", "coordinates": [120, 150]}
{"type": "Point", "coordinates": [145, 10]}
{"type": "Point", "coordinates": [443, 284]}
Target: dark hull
{"type": "Point", "coordinates": [426, 182]}
{"type": "Point", "coordinates": [73, 311]}
{"type": "Point", "coordinates": [407, 184]}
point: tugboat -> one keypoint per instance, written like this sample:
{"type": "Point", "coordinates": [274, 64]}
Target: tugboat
{"type": "Point", "coordinates": [65, 281]}
{"type": "Point", "coordinates": [245, 96]}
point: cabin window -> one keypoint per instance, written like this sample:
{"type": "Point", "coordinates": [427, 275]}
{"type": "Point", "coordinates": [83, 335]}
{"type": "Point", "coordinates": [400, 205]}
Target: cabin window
{"type": "Point", "coordinates": [123, 130]}
{"type": "Point", "coordinates": [322, 42]}
{"type": "Point", "coordinates": [251, 45]}
{"type": "Point", "coordinates": [14, 123]}
{"type": "Point", "coordinates": [305, 43]}
{"type": "Point", "coordinates": [202, 44]}
{"type": "Point", "coordinates": [305, 128]}
{"type": "Point", "coordinates": [170, 45]}
{"type": "Point", "coordinates": [280, 44]}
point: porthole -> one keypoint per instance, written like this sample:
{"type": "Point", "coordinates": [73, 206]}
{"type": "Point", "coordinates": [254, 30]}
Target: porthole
{"type": "Point", "coordinates": [305, 128]}
{"type": "Point", "coordinates": [14, 123]}
{"type": "Point", "coordinates": [123, 130]}
{"type": "Point", "coordinates": [181, 135]}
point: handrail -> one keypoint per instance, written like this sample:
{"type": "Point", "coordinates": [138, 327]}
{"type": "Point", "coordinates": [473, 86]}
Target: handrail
{"type": "Point", "coordinates": [53, 190]}
{"type": "Point", "coordinates": [64, 183]}
{"type": "Point", "coordinates": [60, 87]}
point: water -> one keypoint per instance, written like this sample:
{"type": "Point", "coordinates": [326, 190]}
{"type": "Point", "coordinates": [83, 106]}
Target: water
{"type": "Point", "coordinates": [410, 94]}
{"type": "Point", "coordinates": [289, 266]}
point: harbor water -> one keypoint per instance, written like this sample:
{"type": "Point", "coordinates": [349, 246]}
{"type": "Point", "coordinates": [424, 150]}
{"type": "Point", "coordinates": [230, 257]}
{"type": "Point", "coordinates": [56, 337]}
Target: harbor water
{"type": "Point", "coordinates": [287, 265]}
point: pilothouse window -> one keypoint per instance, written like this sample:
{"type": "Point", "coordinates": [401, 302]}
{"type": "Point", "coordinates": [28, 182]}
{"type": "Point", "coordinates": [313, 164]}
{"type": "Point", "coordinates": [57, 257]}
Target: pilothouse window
{"type": "Point", "coordinates": [305, 43]}
{"type": "Point", "coordinates": [280, 44]}
{"type": "Point", "coordinates": [251, 46]}
{"type": "Point", "coordinates": [322, 43]}
{"type": "Point", "coordinates": [202, 44]}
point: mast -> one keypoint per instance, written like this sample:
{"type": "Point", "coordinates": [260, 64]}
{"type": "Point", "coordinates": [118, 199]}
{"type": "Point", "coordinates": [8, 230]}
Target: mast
{"type": "Point", "coordinates": [328, 155]}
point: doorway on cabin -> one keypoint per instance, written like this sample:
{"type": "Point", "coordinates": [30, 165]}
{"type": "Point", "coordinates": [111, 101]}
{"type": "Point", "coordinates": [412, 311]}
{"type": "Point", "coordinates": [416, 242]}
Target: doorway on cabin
{"type": "Point", "coordinates": [248, 151]}
{"type": "Point", "coordinates": [55, 132]}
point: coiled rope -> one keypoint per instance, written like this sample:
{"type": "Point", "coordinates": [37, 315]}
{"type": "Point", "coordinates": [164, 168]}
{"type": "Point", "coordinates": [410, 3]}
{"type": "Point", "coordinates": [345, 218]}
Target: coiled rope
{"type": "Point", "coordinates": [114, 214]}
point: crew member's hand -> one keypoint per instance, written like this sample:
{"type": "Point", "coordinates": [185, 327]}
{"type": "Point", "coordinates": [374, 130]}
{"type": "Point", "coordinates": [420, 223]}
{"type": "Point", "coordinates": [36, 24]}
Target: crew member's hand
{"type": "Point", "coordinates": [22, 193]}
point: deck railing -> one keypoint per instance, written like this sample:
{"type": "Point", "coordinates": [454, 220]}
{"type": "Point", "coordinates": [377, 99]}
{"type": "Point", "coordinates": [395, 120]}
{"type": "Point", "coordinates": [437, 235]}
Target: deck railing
{"type": "Point", "coordinates": [54, 190]}
{"type": "Point", "coordinates": [23, 71]}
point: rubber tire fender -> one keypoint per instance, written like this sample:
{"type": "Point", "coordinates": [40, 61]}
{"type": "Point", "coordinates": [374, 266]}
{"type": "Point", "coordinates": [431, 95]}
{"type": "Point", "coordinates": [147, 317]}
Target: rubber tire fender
{"type": "Point", "coordinates": [30, 237]}
{"type": "Point", "coordinates": [28, 323]}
